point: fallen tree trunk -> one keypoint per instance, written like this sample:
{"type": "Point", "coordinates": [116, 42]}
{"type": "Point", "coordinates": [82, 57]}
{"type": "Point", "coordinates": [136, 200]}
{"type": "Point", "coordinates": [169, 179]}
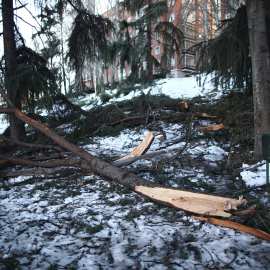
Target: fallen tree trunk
{"type": "Point", "coordinates": [134, 182]}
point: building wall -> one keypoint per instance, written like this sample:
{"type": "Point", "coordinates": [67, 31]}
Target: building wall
{"type": "Point", "coordinates": [189, 18]}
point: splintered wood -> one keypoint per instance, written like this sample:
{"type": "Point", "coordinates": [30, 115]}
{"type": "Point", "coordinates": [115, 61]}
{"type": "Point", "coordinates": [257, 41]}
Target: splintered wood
{"type": "Point", "coordinates": [198, 203]}
{"type": "Point", "coordinates": [211, 127]}
{"type": "Point", "coordinates": [203, 115]}
{"type": "Point", "coordinates": [141, 149]}
{"type": "Point", "coordinates": [185, 103]}
{"type": "Point", "coordinates": [236, 226]}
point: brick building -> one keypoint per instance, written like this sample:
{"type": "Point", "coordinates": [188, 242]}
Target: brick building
{"type": "Point", "coordinates": [197, 19]}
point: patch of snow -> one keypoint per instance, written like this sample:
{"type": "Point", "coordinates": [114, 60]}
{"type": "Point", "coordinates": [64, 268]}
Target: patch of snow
{"type": "Point", "coordinates": [252, 178]}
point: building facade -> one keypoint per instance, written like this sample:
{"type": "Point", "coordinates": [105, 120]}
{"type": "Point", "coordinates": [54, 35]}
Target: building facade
{"type": "Point", "coordinates": [198, 20]}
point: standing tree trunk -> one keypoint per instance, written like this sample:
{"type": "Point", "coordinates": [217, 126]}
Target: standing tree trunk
{"type": "Point", "coordinates": [17, 128]}
{"type": "Point", "coordinates": [205, 20]}
{"type": "Point", "coordinates": [63, 58]}
{"type": "Point", "coordinates": [149, 48]}
{"type": "Point", "coordinates": [260, 70]}
{"type": "Point", "coordinates": [215, 8]}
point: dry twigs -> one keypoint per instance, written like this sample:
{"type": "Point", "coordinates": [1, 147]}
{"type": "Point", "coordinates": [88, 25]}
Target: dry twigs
{"type": "Point", "coordinates": [213, 265]}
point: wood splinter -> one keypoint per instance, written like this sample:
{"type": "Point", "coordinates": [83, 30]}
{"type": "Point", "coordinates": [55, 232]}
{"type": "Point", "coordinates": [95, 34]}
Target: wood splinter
{"type": "Point", "coordinates": [198, 203]}
{"type": "Point", "coordinates": [235, 226]}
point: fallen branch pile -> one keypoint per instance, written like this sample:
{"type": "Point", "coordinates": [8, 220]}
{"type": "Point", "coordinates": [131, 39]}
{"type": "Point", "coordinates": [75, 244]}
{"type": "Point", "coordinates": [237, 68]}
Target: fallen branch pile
{"type": "Point", "coordinates": [203, 204]}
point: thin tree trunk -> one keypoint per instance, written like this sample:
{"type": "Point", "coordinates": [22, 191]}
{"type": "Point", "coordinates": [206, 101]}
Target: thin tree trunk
{"type": "Point", "coordinates": [17, 129]}
{"type": "Point", "coordinates": [215, 8]}
{"type": "Point", "coordinates": [63, 58]}
{"type": "Point", "coordinates": [149, 48]}
{"type": "Point", "coordinates": [205, 20]}
{"type": "Point", "coordinates": [260, 70]}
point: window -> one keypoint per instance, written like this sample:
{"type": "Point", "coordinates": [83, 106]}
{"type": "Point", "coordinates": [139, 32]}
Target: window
{"type": "Point", "coordinates": [172, 17]}
{"type": "Point", "coordinates": [172, 62]}
{"type": "Point", "coordinates": [157, 35]}
{"type": "Point", "coordinates": [157, 50]}
{"type": "Point", "coordinates": [138, 14]}
{"type": "Point", "coordinates": [172, 2]}
{"type": "Point", "coordinates": [129, 20]}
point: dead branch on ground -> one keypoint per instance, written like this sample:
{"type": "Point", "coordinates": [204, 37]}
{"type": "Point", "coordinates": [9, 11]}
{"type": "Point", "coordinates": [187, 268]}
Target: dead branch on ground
{"type": "Point", "coordinates": [179, 199]}
{"type": "Point", "coordinates": [32, 145]}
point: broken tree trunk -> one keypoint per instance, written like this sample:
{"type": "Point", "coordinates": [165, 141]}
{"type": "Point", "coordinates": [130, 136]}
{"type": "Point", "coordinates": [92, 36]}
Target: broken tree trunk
{"type": "Point", "coordinates": [205, 204]}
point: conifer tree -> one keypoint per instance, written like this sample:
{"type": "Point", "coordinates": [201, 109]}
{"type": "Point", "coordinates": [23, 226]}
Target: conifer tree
{"type": "Point", "coordinates": [240, 55]}
{"type": "Point", "coordinates": [228, 54]}
{"type": "Point", "coordinates": [17, 129]}
{"type": "Point", "coordinates": [138, 48]}
{"type": "Point", "coordinates": [87, 37]}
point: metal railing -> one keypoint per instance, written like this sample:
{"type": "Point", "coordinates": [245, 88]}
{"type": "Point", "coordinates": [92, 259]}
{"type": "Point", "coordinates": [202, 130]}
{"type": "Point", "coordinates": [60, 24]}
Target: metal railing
{"type": "Point", "coordinates": [188, 67]}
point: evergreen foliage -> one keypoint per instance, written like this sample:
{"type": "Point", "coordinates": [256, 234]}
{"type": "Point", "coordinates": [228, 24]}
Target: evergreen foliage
{"type": "Point", "coordinates": [134, 50]}
{"type": "Point", "coordinates": [88, 38]}
{"type": "Point", "coordinates": [31, 79]}
{"type": "Point", "coordinates": [228, 55]}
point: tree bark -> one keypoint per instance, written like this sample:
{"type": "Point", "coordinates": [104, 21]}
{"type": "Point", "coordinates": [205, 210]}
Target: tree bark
{"type": "Point", "coordinates": [205, 20]}
{"type": "Point", "coordinates": [17, 128]}
{"type": "Point", "coordinates": [260, 70]}
{"type": "Point", "coordinates": [149, 48]}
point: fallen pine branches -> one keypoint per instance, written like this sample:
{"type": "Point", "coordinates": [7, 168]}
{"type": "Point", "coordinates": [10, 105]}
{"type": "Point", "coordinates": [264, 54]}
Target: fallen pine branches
{"type": "Point", "coordinates": [165, 196]}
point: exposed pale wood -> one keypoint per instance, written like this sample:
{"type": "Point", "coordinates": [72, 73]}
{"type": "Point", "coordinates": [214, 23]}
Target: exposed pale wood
{"type": "Point", "coordinates": [204, 115]}
{"type": "Point", "coordinates": [129, 160]}
{"type": "Point", "coordinates": [183, 101]}
{"type": "Point", "coordinates": [236, 226]}
{"type": "Point", "coordinates": [193, 202]}
{"type": "Point", "coordinates": [141, 148]}
{"type": "Point", "coordinates": [212, 127]}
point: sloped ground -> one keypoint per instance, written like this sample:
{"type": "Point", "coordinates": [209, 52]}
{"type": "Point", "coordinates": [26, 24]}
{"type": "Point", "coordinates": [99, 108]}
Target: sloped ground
{"type": "Point", "coordinates": [75, 221]}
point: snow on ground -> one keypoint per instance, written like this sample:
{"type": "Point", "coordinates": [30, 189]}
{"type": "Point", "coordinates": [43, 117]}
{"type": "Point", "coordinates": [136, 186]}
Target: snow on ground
{"type": "Point", "coordinates": [63, 223]}
{"type": "Point", "coordinates": [254, 178]}
{"type": "Point", "coordinates": [3, 123]}
{"type": "Point", "coordinates": [175, 88]}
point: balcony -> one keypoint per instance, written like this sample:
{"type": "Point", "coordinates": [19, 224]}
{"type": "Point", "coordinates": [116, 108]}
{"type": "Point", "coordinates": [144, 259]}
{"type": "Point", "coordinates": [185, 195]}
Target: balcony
{"type": "Point", "coordinates": [188, 67]}
{"type": "Point", "coordinates": [187, 51]}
